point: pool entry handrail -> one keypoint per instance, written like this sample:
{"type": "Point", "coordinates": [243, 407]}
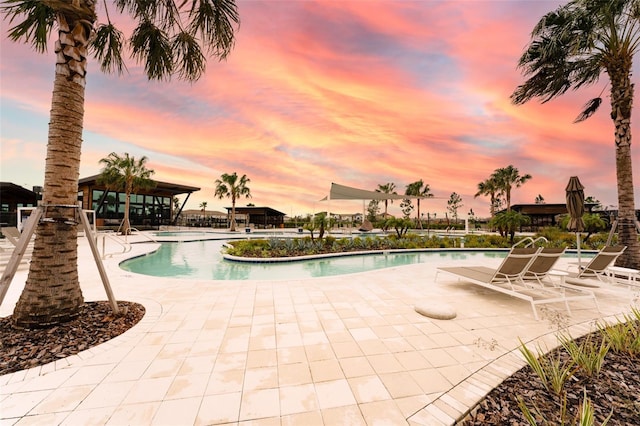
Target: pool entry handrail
{"type": "Point", "coordinates": [530, 242]}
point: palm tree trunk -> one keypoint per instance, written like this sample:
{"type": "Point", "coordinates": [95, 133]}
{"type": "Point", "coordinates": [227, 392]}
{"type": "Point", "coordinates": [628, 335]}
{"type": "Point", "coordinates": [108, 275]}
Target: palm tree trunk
{"type": "Point", "coordinates": [52, 291]}
{"type": "Point", "coordinates": [233, 214]}
{"type": "Point", "coordinates": [621, 102]}
{"type": "Point", "coordinates": [126, 224]}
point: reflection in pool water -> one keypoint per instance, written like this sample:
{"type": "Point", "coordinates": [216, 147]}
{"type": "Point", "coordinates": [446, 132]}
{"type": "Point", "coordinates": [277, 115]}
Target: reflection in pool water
{"type": "Point", "coordinates": [203, 260]}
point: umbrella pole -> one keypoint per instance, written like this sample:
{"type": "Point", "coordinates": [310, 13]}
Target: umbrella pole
{"type": "Point", "coordinates": [578, 242]}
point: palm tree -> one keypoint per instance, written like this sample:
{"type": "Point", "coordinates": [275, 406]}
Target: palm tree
{"type": "Point", "coordinates": [166, 46]}
{"type": "Point", "coordinates": [203, 208]}
{"type": "Point", "coordinates": [128, 175]}
{"type": "Point", "coordinates": [229, 186]}
{"type": "Point", "coordinates": [506, 178]}
{"type": "Point", "coordinates": [418, 189]}
{"type": "Point", "coordinates": [572, 47]}
{"type": "Point", "coordinates": [387, 188]}
{"type": "Point", "coordinates": [489, 187]}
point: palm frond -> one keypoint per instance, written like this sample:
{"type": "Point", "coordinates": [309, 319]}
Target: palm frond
{"type": "Point", "coordinates": [107, 46]}
{"type": "Point", "coordinates": [589, 109]}
{"type": "Point", "coordinates": [188, 57]}
{"type": "Point", "coordinates": [213, 20]}
{"type": "Point", "coordinates": [37, 25]}
{"type": "Point", "coordinates": [151, 46]}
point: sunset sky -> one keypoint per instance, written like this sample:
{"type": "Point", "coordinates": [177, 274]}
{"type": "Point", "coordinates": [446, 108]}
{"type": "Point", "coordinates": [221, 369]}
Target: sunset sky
{"type": "Point", "coordinates": [359, 93]}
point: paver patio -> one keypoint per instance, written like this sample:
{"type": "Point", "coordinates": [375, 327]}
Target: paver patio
{"type": "Point", "coordinates": [346, 350]}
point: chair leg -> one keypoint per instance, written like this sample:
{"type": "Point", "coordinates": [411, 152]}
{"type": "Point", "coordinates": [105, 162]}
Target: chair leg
{"type": "Point", "coordinates": [535, 312]}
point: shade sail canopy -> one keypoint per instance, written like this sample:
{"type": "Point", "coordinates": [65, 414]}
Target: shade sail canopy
{"type": "Point", "coordinates": [341, 192]}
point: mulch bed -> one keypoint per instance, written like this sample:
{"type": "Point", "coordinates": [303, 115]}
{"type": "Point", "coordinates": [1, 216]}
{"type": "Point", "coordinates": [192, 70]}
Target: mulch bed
{"type": "Point", "coordinates": [21, 349]}
{"type": "Point", "coordinates": [615, 390]}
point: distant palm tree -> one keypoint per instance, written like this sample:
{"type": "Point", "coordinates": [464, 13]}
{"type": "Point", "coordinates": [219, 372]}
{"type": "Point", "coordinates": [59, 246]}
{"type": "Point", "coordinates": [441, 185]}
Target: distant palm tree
{"type": "Point", "coordinates": [168, 38]}
{"type": "Point", "coordinates": [125, 174]}
{"type": "Point", "coordinates": [572, 47]}
{"type": "Point", "coordinates": [230, 186]}
{"type": "Point", "coordinates": [489, 187]}
{"type": "Point", "coordinates": [418, 189]}
{"type": "Point", "coordinates": [387, 188]}
{"type": "Point", "coordinates": [203, 207]}
{"type": "Point", "coordinates": [506, 178]}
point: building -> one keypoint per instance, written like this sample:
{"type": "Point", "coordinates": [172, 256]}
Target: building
{"type": "Point", "coordinates": [544, 214]}
{"type": "Point", "coordinates": [260, 217]}
{"type": "Point", "coordinates": [12, 197]}
{"type": "Point", "coordinates": [148, 208]}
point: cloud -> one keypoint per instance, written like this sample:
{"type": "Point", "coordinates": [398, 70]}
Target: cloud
{"type": "Point", "coordinates": [359, 93]}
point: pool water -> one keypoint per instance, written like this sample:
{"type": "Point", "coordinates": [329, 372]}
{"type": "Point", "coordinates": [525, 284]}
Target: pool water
{"type": "Point", "coordinates": [203, 260]}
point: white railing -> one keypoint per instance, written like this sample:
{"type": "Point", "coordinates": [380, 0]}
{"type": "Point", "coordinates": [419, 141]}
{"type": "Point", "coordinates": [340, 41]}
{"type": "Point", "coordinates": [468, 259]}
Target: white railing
{"type": "Point", "coordinates": [530, 241]}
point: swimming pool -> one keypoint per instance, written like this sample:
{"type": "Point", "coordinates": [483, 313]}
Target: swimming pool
{"type": "Point", "coordinates": [203, 260]}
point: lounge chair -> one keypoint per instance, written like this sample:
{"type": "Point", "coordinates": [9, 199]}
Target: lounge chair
{"type": "Point", "coordinates": [542, 264]}
{"type": "Point", "coordinates": [541, 274]}
{"type": "Point", "coordinates": [509, 278]}
{"type": "Point", "coordinates": [600, 272]}
{"type": "Point", "coordinates": [595, 272]}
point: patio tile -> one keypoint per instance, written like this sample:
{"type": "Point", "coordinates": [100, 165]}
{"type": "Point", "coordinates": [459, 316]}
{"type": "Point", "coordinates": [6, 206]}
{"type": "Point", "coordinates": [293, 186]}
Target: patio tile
{"type": "Point", "coordinates": [95, 416]}
{"type": "Point", "coordinates": [347, 415]}
{"type": "Point", "coordinates": [187, 386]}
{"type": "Point", "coordinates": [298, 399]}
{"type": "Point", "coordinates": [133, 414]}
{"type": "Point", "coordinates": [260, 378]}
{"type": "Point", "coordinates": [107, 394]}
{"type": "Point", "coordinates": [149, 390]}
{"type": "Point", "coordinates": [368, 389]}
{"type": "Point", "coordinates": [228, 381]}
{"type": "Point", "coordinates": [430, 380]}
{"type": "Point", "coordinates": [262, 358]}
{"type": "Point", "coordinates": [382, 412]}
{"type": "Point", "coordinates": [311, 418]}
{"type": "Point", "coordinates": [221, 408]}
{"type": "Point", "coordinates": [260, 403]}
{"type": "Point", "coordinates": [89, 375]}
{"type": "Point", "coordinates": [401, 384]}
{"type": "Point", "coordinates": [294, 374]}
{"type": "Point", "coordinates": [291, 355]}
{"type": "Point", "coordinates": [325, 370]}
{"type": "Point", "coordinates": [62, 399]}
{"type": "Point", "coordinates": [177, 412]}
{"type": "Point", "coordinates": [346, 349]}
{"type": "Point", "coordinates": [20, 404]}
{"type": "Point", "coordinates": [385, 363]}
{"type": "Point", "coordinates": [356, 366]}
{"type": "Point", "coordinates": [333, 394]}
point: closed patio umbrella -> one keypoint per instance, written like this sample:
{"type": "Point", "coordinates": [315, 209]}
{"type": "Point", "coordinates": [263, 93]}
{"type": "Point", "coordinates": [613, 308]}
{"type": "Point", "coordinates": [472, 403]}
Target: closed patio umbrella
{"type": "Point", "coordinates": [575, 207]}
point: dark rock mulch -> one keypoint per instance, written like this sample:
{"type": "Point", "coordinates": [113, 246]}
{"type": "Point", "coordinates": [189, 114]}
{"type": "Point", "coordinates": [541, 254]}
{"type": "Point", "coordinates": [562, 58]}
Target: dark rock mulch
{"type": "Point", "coordinates": [21, 349]}
{"type": "Point", "coordinates": [614, 391]}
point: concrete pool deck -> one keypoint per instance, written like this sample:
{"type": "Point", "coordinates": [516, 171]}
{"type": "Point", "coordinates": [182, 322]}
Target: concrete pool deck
{"type": "Point", "coordinates": [343, 350]}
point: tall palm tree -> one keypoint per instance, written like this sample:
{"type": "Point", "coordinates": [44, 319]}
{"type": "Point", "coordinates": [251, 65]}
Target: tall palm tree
{"type": "Point", "coordinates": [418, 189]}
{"type": "Point", "coordinates": [506, 178]}
{"type": "Point", "coordinates": [203, 207]}
{"type": "Point", "coordinates": [230, 186]}
{"type": "Point", "coordinates": [573, 46]}
{"type": "Point", "coordinates": [387, 188]}
{"type": "Point", "coordinates": [171, 38]}
{"type": "Point", "coordinates": [489, 187]}
{"type": "Point", "coordinates": [125, 173]}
